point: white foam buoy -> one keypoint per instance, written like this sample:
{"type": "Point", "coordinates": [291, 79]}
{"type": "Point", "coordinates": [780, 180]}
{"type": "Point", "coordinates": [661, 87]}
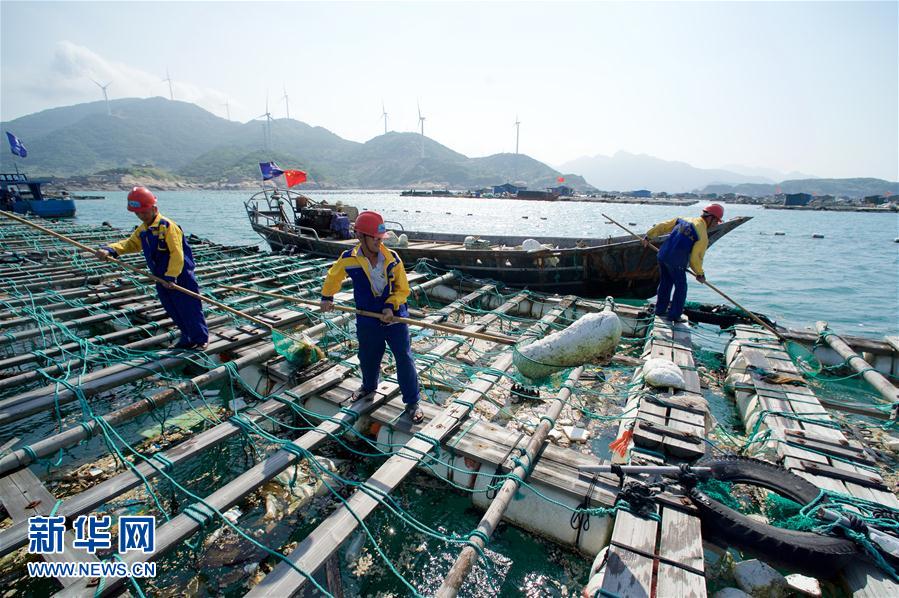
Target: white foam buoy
{"type": "Point", "coordinates": [530, 245]}
{"type": "Point", "coordinates": [592, 338]}
{"type": "Point", "coordinates": [391, 240]}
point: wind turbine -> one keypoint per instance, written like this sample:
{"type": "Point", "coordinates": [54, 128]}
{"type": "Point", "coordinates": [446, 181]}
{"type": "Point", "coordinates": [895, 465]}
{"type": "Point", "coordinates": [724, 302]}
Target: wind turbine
{"type": "Point", "coordinates": [421, 121]}
{"type": "Point", "coordinates": [169, 79]}
{"type": "Point", "coordinates": [517, 126]}
{"type": "Point", "coordinates": [267, 131]}
{"type": "Point", "coordinates": [105, 95]}
{"type": "Point", "coordinates": [384, 116]}
{"type": "Point", "coordinates": [286, 102]}
{"type": "Point", "coordinates": [228, 109]}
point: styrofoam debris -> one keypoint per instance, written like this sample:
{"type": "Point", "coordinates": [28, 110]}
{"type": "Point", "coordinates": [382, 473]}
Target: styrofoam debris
{"type": "Point", "coordinates": [807, 586]}
{"type": "Point", "coordinates": [576, 434]}
{"type": "Point", "coordinates": [233, 514]}
{"type": "Point", "coordinates": [759, 579]}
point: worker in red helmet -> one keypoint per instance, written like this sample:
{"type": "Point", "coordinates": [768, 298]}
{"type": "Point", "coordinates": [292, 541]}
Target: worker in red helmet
{"type": "Point", "coordinates": [685, 246]}
{"type": "Point", "coordinates": [379, 285]}
{"type": "Point", "coordinates": [169, 257]}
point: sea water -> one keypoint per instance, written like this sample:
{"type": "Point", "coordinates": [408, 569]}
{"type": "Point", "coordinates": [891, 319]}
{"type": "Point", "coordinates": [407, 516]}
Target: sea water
{"type": "Point", "coordinates": [850, 278]}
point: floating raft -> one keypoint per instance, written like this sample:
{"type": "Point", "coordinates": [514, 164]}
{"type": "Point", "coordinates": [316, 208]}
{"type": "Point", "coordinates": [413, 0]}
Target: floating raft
{"type": "Point", "coordinates": [96, 414]}
{"type": "Point", "coordinates": [804, 436]}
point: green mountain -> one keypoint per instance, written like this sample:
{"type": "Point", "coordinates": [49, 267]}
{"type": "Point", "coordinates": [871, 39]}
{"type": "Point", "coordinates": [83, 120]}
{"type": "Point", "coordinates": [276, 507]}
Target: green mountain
{"type": "Point", "coordinates": [200, 148]}
{"type": "Point", "coordinates": [860, 187]}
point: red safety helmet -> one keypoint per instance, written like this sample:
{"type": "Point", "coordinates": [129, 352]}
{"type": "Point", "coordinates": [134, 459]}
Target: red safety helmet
{"type": "Point", "coordinates": [715, 210]}
{"type": "Point", "coordinates": [141, 199]}
{"type": "Point", "coordinates": [371, 224]}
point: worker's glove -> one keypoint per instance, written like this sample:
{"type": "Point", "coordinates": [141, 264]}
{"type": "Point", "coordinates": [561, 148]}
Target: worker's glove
{"type": "Point", "coordinates": [168, 283]}
{"type": "Point", "coordinates": [701, 278]}
{"type": "Point", "coordinates": [387, 315]}
{"type": "Point", "coordinates": [325, 306]}
{"type": "Point", "coordinates": [645, 241]}
{"type": "Point", "coordinates": [103, 254]}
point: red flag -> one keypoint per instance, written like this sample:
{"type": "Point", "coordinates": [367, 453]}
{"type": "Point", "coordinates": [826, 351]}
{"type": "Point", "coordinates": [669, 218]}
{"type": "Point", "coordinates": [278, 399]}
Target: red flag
{"type": "Point", "coordinates": [294, 177]}
{"type": "Point", "coordinates": [561, 179]}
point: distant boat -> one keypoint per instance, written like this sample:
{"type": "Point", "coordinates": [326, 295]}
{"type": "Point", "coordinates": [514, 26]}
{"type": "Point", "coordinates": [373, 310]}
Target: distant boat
{"type": "Point", "coordinates": [25, 196]}
{"type": "Point", "coordinates": [617, 266]}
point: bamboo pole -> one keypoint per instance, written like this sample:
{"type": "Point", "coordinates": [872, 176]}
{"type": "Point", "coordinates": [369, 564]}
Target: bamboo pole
{"type": "Point", "coordinates": [758, 320]}
{"type": "Point", "coordinates": [469, 555]}
{"type": "Point", "coordinates": [499, 339]}
{"type": "Point", "coordinates": [857, 363]}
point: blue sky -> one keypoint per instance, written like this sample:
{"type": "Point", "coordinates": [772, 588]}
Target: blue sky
{"type": "Point", "coordinates": [807, 86]}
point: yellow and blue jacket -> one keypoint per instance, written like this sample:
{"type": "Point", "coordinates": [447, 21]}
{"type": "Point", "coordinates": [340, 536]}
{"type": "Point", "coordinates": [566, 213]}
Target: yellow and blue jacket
{"type": "Point", "coordinates": [687, 243]}
{"type": "Point", "coordinates": [164, 246]}
{"type": "Point", "coordinates": [354, 264]}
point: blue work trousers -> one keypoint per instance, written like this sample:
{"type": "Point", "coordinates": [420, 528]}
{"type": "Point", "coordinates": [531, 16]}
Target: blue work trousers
{"type": "Point", "coordinates": [671, 276]}
{"type": "Point", "coordinates": [374, 337]}
{"type": "Point", "coordinates": [185, 311]}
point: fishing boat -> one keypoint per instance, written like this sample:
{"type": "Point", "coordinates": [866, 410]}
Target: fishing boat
{"type": "Point", "coordinates": [590, 267]}
{"type": "Point", "coordinates": [22, 195]}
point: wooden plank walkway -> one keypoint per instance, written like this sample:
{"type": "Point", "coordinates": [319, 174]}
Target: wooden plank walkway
{"type": "Point", "coordinates": [661, 558]}
{"type": "Point", "coordinates": [803, 436]}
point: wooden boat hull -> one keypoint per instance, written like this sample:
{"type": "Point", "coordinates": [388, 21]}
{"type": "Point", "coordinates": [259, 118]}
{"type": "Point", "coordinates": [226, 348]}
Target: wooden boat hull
{"type": "Point", "coordinates": [616, 266]}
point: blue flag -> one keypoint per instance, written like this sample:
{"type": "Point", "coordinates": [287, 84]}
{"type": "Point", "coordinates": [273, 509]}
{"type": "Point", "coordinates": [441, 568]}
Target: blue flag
{"type": "Point", "coordinates": [269, 170]}
{"type": "Point", "coordinates": [15, 146]}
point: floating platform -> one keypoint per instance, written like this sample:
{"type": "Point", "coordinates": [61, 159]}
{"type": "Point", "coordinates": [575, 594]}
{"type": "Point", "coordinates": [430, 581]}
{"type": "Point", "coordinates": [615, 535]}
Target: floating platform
{"type": "Point", "coordinates": [98, 416]}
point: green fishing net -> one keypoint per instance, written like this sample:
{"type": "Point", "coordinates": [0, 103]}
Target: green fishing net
{"type": "Point", "coordinates": [297, 350]}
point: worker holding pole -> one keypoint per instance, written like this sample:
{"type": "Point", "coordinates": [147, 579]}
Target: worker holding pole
{"type": "Point", "coordinates": [169, 258]}
{"type": "Point", "coordinates": [380, 286]}
{"type": "Point", "coordinates": [684, 247]}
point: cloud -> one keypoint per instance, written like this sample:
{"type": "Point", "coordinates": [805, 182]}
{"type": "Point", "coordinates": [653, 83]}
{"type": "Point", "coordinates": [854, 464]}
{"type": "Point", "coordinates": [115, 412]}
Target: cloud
{"type": "Point", "coordinates": [73, 69]}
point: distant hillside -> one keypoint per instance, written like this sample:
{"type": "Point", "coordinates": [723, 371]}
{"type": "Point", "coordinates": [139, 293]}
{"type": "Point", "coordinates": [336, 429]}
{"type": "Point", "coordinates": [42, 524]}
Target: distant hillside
{"type": "Point", "coordinates": [835, 187]}
{"type": "Point", "coordinates": [139, 131]}
{"type": "Point", "coordinates": [198, 147]}
{"type": "Point", "coordinates": [626, 172]}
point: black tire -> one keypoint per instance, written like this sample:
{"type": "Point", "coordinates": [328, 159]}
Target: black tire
{"type": "Point", "coordinates": [808, 552]}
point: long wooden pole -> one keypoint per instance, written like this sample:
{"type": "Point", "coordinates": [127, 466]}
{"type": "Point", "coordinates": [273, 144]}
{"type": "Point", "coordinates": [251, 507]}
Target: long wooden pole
{"type": "Point", "coordinates": [142, 272]}
{"type": "Point", "coordinates": [758, 320]}
{"type": "Point", "coordinates": [500, 339]}
{"type": "Point", "coordinates": [469, 556]}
